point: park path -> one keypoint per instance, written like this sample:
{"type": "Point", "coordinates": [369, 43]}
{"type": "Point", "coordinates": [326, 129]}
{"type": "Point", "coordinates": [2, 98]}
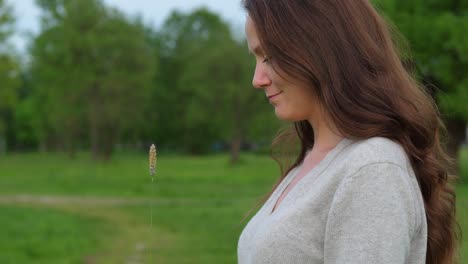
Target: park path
{"type": "Point", "coordinates": [76, 200]}
{"type": "Point", "coordinates": [130, 246]}
{"type": "Point", "coordinates": [89, 200]}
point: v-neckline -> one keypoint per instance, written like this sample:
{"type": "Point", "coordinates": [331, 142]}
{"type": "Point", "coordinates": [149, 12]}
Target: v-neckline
{"type": "Point", "coordinates": [321, 164]}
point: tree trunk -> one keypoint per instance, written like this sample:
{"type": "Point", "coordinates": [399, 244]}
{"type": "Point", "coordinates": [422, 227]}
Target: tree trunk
{"type": "Point", "coordinates": [94, 112]}
{"type": "Point", "coordinates": [456, 129]}
{"type": "Point", "coordinates": [110, 134]}
{"type": "Point", "coordinates": [235, 149]}
{"type": "Point", "coordinates": [94, 136]}
{"type": "Point", "coordinates": [237, 138]}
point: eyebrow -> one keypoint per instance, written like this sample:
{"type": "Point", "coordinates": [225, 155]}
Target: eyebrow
{"type": "Point", "coordinates": [257, 51]}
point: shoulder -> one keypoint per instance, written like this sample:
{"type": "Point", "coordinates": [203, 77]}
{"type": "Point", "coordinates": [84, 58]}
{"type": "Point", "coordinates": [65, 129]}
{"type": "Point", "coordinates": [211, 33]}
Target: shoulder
{"type": "Point", "coordinates": [376, 150]}
{"type": "Point", "coordinates": [356, 157]}
{"type": "Point", "coordinates": [375, 159]}
{"type": "Point", "coordinates": [377, 172]}
{"type": "Point", "coordinates": [378, 163]}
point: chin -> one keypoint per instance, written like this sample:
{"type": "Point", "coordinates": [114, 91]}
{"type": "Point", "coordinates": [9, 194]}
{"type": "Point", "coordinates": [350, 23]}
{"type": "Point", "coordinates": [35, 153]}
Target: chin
{"type": "Point", "coordinates": [285, 116]}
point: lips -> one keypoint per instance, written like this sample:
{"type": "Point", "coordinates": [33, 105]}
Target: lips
{"type": "Point", "coordinates": [273, 95]}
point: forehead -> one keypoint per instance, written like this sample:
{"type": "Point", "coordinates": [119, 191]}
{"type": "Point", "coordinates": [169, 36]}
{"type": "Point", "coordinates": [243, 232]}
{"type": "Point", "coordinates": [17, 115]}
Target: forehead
{"type": "Point", "coordinates": [252, 37]}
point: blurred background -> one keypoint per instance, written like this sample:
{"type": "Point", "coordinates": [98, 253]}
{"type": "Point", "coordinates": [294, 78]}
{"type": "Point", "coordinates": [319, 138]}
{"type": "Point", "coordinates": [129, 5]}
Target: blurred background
{"type": "Point", "coordinates": [88, 85]}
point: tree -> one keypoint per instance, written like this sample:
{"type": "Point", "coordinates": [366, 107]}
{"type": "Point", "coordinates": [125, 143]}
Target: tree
{"type": "Point", "coordinates": [222, 80]}
{"type": "Point", "coordinates": [9, 73]}
{"type": "Point", "coordinates": [207, 78]}
{"type": "Point", "coordinates": [92, 70]}
{"type": "Point", "coordinates": [184, 39]}
{"type": "Point", "coordinates": [436, 32]}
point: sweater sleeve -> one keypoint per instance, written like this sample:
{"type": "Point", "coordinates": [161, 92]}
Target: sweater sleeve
{"type": "Point", "coordinates": [372, 217]}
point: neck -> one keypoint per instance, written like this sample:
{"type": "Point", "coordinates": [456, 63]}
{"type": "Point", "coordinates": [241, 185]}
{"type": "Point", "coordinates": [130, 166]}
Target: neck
{"type": "Point", "coordinates": [325, 138]}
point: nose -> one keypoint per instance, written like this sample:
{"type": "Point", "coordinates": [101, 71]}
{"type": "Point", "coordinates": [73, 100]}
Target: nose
{"type": "Point", "coordinates": [261, 78]}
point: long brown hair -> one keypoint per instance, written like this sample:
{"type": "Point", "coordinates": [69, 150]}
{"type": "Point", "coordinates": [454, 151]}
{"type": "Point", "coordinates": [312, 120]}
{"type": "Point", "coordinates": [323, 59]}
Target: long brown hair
{"type": "Point", "coordinates": [344, 51]}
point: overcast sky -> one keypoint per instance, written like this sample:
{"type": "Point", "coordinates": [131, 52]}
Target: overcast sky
{"type": "Point", "coordinates": [154, 12]}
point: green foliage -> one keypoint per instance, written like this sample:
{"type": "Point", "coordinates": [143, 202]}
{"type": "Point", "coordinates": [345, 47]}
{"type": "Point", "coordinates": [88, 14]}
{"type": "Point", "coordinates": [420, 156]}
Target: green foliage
{"type": "Point", "coordinates": [185, 39]}
{"type": "Point", "coordinates": [98, 79]}
{"type": "Point", "coordinates": [101, 79]}
{"type": "Point", "coordinates": [436, 31]}
{"type": "Point", "coordinates": [32, 235]}
{"type": "Point", "coordinates": [91, 69]}
{"type": "Point", "coordinates": [208, 76]}
{"type": "Point", "coordinates": [9, 69]}
{"type": "Point", "coordinates": [9, 78]}
{"type": "Point", "coordinates": [6, 21]}
{"type": "Point", "coordinates": [27, 122]}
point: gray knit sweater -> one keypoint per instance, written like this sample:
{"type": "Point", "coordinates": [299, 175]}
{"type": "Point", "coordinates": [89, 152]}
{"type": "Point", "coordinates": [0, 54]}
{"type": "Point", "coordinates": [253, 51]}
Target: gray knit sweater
{"type": "Point", "coordinates": [360, 204]}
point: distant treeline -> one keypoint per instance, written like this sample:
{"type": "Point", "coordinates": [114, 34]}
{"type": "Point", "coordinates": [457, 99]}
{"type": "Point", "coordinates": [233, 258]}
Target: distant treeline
{"type": "Point", "coordinates": [96, 79]}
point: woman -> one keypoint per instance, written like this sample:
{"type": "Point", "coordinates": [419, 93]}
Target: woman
{"type": "Point", "coordinates": [370, 183]}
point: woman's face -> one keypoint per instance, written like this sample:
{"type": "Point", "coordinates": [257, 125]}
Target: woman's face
{"type": "Point", "coordinates": [291, 102]}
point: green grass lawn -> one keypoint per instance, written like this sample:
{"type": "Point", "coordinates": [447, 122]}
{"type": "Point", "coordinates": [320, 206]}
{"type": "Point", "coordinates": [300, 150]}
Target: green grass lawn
{"type": "Point", "coordinates": [197, 205]}
{"type": "Point", "coordinates": [197, 208]}
{"type": "Point", "coordinates": [32, 235]}
{"type": "Point", "coordinates": [127, 175]}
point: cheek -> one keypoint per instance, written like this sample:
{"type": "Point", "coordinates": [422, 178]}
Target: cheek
{"type": "Point", "coordinates": [301, 104]}
{"type": "Point", "coordinates": [299, 95]}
